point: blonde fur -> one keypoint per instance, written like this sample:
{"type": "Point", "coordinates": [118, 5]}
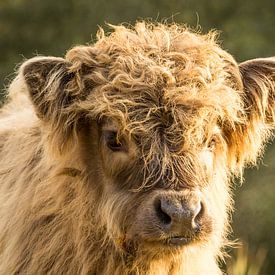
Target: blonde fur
{"type": "Point", "coordinates": [167, 92]}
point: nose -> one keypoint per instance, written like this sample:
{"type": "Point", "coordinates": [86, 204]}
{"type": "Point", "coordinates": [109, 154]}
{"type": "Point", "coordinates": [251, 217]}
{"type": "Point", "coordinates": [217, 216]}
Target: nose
{"type": "Point", "coordinates": [179, 215]}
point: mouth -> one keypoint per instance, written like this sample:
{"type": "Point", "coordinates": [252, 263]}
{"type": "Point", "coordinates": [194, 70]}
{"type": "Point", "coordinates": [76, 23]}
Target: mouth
{"type": "Point", "coordinates": [172, 244]}
{"type": "Point", "coordinates": [169, 242]}
{"type": "Point", "coordinates": [178, 240]}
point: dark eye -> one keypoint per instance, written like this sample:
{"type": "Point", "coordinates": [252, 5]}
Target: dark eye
{"type": "Point", "coordinates": [212, 144]}
{"type": "Point", "coordinates": [112, 141]}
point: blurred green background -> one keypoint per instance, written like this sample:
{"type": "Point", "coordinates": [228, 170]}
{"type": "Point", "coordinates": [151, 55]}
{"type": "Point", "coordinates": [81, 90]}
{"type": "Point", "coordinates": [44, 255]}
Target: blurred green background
{"type": "Point", "coordinates": [50, 27]}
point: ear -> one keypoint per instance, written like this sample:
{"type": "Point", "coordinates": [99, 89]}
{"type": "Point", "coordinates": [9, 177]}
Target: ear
{"type": "Point", "coordinates": [258, 77]}
{"type": "Point", "coordinates": [248, 139]}
{"type": "Point", "coordinates": [53, 89]}
{"type": "Point", "coordinates": [46, 79]}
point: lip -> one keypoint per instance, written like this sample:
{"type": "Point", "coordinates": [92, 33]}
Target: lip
{"type": "Point", "coordinates": [178, 240]}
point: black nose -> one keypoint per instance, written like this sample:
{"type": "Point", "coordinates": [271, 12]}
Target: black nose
{"type": "Point", "coordinates": [179, 216]}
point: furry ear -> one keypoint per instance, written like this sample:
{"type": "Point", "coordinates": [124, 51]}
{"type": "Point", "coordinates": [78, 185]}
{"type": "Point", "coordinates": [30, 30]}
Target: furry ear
{"type": "Point", "coordinates": [47, 79]}
{"type": "Point", "coordinates": [248, 139]}
{"type": "Point", "coordinates": [53, 89]}
{"type": "Point", "coordinates": [258, 79]}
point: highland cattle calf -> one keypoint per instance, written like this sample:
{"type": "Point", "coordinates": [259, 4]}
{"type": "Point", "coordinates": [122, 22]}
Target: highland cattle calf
{"type": "Point", "coordinates": [117, 159]}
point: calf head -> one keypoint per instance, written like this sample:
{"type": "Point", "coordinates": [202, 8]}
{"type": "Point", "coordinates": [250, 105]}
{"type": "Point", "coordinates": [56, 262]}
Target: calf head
{"type": "Point", "coordinates": [163, 119]}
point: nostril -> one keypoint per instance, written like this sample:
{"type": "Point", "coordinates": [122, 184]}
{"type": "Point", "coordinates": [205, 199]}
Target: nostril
{"type": "Point", "coordinates": [199, 213]}
{"type": "Point", "coordinates": [198, 209]}
{"type": "Point", "coordinates": [179, 216]}
{"type": "Point", "coordinates": [164, 217]}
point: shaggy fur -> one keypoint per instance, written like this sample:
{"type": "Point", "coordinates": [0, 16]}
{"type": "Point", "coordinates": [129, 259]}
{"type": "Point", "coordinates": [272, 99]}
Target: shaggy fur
{"type": "Point", "coordinates": [187, 117]}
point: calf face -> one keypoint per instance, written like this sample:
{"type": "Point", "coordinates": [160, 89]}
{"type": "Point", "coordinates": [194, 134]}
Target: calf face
{"type": "Point", "coordinates": [163, 118]}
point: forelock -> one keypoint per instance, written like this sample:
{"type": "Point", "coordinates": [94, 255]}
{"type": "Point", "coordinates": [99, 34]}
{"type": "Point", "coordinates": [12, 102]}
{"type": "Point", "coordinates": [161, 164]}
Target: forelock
{"type": "Point", "coordinates": [162, 83]}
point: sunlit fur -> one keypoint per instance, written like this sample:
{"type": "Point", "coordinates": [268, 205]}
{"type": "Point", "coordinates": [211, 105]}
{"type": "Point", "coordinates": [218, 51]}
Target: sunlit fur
{"type": "Point", "coordinates": [70, 206]}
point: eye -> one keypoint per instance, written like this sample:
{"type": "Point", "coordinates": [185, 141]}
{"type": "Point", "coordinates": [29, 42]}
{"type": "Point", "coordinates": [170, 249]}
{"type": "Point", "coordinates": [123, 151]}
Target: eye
{"type": "Point", "coordinates": [212, 144]}
{"type": "Point", "coordinates": [112, 141]}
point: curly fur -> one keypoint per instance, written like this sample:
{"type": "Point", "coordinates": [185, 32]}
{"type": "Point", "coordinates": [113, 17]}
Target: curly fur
{"type": "Point", "coordinates": [68, 206]}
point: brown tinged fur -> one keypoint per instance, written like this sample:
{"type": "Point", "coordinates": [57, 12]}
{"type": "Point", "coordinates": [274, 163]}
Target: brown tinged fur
{"type": "Point", "coordinates": [187, 118]}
